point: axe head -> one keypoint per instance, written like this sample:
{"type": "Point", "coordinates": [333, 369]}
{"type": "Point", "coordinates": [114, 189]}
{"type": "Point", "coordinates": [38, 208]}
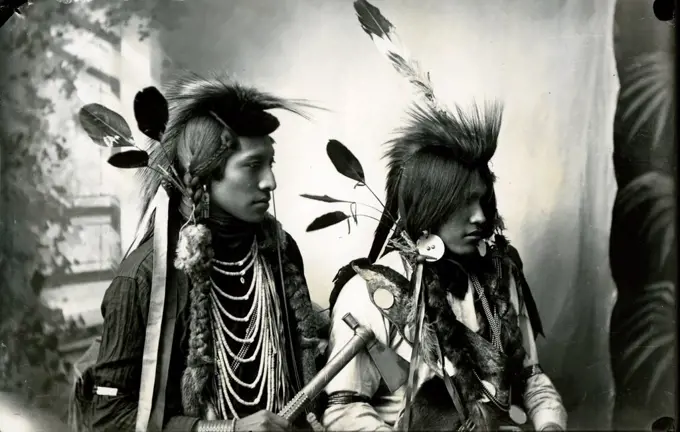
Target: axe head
{"type": "Point", "coordinates": [393, 368]}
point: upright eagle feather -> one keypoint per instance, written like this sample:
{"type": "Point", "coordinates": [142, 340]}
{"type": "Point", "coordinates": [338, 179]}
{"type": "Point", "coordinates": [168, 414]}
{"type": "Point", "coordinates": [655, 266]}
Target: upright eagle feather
{"type": "Point", "coordinates": [384, 35]}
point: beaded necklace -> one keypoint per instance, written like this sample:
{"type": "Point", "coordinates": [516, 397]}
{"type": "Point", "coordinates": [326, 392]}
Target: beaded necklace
{"type": "Point", "coordinates": [263, 333]}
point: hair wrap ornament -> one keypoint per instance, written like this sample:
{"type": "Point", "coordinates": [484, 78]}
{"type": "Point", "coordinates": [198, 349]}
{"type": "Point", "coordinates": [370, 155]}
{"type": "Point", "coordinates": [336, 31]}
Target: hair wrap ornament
{"type": "Point", "coordinates": [191, 199]}
{"type": "Point", "coordinates": [205, 203]}
{"type": "Point", "coordinates": [158, 338]}
{"type": "Point", "coordinates": [226, 139]}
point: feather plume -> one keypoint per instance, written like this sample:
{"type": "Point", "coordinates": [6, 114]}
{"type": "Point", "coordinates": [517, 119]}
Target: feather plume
{"type": "Point", "coordinates": [385, 37]}
{"type": "Point", "coordinates": [132, 158]}
{"type": "Point", "coordinates": [151, 112]}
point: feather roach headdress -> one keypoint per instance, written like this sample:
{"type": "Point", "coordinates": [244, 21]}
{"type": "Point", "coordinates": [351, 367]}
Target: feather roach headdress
{"type": "Point", "coordinates": [467, 138]}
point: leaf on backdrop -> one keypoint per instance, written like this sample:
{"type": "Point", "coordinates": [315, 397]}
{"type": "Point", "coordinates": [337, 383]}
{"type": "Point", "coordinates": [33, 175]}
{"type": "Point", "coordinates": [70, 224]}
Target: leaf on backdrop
{"type": "Point", "coordinates": [344, 161]}
{"type": "Point", "coordinates": [105, 127]}
{"type": "Point", "coordinates": [326, 220]}
{"type": "Point", "coordinates": [132, 158]}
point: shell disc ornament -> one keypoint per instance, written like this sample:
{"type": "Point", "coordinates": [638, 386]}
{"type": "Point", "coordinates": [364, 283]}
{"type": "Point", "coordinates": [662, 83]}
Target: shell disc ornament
{"type": "Point", "coordinates": [431, 247]}
{"type": "Point", "coordinates": [383, 298]}
{"type": "Point", "coordinates": [517, 415]}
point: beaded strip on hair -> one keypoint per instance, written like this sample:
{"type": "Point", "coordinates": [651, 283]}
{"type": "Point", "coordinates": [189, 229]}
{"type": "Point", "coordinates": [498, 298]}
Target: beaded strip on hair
{"type": "Point", "coordinates": [226, 141]}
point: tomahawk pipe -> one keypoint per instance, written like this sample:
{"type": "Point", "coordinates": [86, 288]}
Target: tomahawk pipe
{"type": "Point", "coordinates": [363, 338]}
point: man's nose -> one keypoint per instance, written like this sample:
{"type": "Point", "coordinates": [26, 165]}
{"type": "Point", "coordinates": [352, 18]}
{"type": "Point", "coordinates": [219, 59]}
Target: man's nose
{"type": "Point", "coordinates": [268, 181]}
{"type": "Point", "coordinates": [477, 217]}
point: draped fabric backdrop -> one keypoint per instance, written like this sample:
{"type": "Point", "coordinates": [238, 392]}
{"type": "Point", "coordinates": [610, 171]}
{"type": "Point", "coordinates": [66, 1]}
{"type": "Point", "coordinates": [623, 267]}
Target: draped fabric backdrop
{"type": "Point", "coordinates": [550, 62]}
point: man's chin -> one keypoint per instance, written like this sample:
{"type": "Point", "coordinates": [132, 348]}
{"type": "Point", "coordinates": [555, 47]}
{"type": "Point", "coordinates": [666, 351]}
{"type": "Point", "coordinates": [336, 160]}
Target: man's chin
{"type": "Point", "coordinates": [465, 250]}
{"type": "Point", "coordinates": [257, 216]}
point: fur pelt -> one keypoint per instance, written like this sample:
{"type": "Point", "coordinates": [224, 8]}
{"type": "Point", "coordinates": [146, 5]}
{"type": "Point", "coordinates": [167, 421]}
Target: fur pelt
{"type": "Point", "coordinates": [470, 357]}
{"type": "Point", "coordinates": [194, 255]}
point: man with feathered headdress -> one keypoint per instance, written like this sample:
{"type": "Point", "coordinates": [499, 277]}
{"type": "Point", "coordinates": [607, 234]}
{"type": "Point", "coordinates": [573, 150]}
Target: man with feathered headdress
{"type": "Point", "coordinates": [208, 325]}
{"type": "Point", "coordinates": [471, 352]}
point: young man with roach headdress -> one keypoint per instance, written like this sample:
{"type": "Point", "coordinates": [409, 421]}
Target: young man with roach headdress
{"type": "Point", "coordinates": [465, 324]}
{"type": "Point", "coordinates": [208, 325]}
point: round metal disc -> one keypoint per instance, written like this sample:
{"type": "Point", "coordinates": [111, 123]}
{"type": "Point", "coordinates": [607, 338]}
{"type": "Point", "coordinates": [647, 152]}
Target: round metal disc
{"type": "Point", "coordinates": [383, 298]}
{"type": "Point", "coordinates": [517, 415]}
{"type": "Point", "coordinates": [431, 247]}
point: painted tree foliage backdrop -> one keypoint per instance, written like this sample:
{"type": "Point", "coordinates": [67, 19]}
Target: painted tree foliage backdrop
{"type": "Point", "coordinates": [643, 240]}
{"type": "Point", "coordinates": [32, 198]}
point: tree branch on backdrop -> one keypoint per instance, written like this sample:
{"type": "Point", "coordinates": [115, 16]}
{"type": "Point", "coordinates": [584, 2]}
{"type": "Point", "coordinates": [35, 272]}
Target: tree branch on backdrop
{"type": "Point", "coordinates": [33, 199]}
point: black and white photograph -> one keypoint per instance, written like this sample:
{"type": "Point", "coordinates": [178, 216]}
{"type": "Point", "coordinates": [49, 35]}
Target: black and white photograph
{"type": "Point", "coordinates": [337, 215]}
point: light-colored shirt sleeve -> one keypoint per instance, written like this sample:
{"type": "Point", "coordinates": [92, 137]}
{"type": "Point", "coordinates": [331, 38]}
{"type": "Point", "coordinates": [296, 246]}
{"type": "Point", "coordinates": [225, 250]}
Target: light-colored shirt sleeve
{"type": "Point", "coordinates": [360, 375]}
{"type": "Point", "coordinates": [541, 400]}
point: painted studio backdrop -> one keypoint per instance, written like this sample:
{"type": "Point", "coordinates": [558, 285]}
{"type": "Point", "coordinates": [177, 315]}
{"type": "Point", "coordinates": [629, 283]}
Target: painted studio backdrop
{"type": "Point", "coordinates": [551, 63]}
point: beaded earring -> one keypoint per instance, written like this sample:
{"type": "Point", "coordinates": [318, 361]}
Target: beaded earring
{"type": "Point", "coordinates": [205, 203]}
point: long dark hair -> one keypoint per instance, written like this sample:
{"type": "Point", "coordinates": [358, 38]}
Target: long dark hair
{"type": "Point", "coordinates": [434, 185]}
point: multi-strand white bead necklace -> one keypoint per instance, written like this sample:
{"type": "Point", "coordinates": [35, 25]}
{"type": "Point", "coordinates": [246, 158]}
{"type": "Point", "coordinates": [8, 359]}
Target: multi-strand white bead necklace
{"type": "Point", "coordinates": [264, 332]}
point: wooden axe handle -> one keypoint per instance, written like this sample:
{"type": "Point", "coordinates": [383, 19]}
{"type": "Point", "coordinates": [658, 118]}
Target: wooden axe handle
{"type": "Point", "coordinates": [361, 339]}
